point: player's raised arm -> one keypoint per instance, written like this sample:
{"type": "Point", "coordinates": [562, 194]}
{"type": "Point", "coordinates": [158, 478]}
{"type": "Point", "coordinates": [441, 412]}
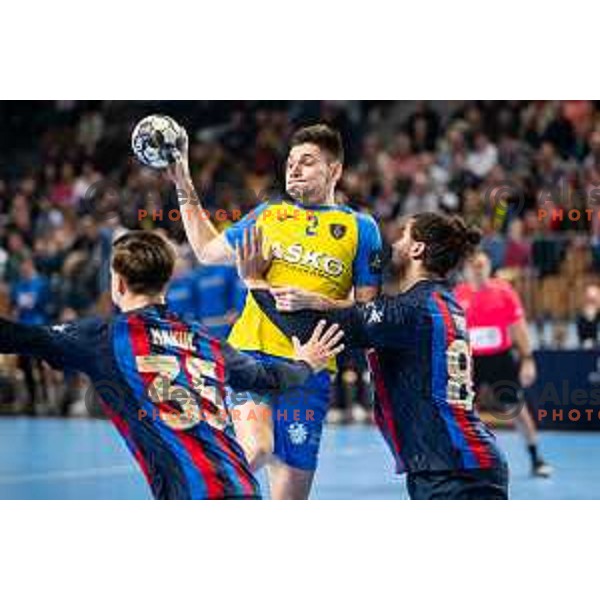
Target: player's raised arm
{"type": "Point", "coordinates": [68, 345]}
{"type": "Point", "coordinates": [208, 244]}
{"type": "Point", "coordinates": [244, 373]}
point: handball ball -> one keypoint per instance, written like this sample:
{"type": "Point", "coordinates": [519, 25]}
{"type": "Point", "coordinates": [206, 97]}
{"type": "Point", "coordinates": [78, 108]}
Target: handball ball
{"type": "Point", "coordinates": [154, 138]}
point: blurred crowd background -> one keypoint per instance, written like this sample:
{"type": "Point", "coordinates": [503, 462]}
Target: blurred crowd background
{"type": "Point", "coordinates": [527, 172]}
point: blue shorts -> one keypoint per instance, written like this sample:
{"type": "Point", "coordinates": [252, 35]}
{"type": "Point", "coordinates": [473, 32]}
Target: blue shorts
{"type": "Point", "coordinates": [298, 416]}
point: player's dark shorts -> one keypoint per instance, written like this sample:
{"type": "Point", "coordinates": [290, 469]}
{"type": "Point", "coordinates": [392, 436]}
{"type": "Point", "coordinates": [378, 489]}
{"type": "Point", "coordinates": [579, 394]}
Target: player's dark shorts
{"type": "Point", "coordinates": [473, 484]}
{"type": "Point", "coordinates": [298, 418]}
{"type": "Point", "coordinates": [500, 372]}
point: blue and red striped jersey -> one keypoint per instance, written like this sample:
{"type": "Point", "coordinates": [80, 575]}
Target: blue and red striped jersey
{"type": "Point", "coordinates": [161, 381]}
{"type": "Point", "coordinates": [422, 369]}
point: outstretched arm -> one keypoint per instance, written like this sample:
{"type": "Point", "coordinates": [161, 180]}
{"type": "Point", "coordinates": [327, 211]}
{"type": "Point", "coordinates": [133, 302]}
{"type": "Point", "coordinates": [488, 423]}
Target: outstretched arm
{"type": "Point", "coordinates": [244, 373]}
{"type": "Point", "coordinates": [62, 346]}
{"type": "Point", "coordinates": [386, 322]}
{"type": "Point", "coordinates": [208, 244]}
{"type": "Point", "coordinates": [292, 299]}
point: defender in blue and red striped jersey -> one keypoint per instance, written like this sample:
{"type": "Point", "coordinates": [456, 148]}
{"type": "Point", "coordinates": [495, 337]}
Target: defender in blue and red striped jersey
{"type": "Point", "coordinates": [161, 379]}
{"type": "Point", "coordinates": [421, 362]}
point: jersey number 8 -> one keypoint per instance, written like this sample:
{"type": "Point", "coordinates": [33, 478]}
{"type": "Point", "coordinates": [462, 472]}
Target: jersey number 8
{"type": "Point", "coordinates": [460, 374]}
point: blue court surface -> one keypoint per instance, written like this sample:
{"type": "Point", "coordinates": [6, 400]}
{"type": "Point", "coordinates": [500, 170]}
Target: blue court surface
{"type": "Point", "coordinates": [86, 459]}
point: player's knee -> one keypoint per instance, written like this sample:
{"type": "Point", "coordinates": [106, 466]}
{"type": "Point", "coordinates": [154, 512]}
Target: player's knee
{"type": "Point", "coordinates": [258, 450]}
{"type": "Point", "coordinates": [258, 456]}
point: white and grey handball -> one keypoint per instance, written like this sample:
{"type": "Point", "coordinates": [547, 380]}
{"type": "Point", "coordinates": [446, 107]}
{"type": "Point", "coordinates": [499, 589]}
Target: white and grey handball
{"type": "Point", "coordinates": [155, 138]}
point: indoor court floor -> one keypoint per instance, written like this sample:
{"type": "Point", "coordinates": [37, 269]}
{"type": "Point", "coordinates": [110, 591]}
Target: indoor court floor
{"type": "Point", "coordinates": [46, 458]}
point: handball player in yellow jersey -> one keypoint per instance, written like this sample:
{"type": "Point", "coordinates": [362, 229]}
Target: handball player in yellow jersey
{"type": "Point", "coordinates": [318, 249]}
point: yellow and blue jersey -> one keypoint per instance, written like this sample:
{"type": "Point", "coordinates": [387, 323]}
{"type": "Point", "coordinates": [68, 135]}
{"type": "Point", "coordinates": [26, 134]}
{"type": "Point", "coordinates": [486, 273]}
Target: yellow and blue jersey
{"type": "Point", "coordinates": [325, 249]}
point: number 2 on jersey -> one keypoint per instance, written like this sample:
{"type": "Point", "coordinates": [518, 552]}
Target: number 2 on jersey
{"type": "Point", "coordinates": [313, 223]}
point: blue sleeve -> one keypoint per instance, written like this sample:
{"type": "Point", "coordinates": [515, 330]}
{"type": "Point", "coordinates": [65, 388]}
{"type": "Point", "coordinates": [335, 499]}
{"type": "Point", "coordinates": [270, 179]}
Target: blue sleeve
{"type": "Point", "coordinates": [64, 346]}
{"type": "Point", "coordinates": [234, 234]}
{"type": "Point", "coordinates": [387, 322]}
{"type": "Point", "coordinates": [367, 264]}
{"type": "Point", "coordinates": [245, 373]}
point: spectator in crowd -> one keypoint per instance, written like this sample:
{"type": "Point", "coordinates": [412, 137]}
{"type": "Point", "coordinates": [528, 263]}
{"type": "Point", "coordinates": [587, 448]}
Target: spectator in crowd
{"type": "Point", "coordinates": [29, 297]}
{"type": "Point", "coordinates": [29, 293]}
{"type": "Point", "coordinates": [588, 318]}
{"type": "Point", "coordinates": [403, 164]}
{"type": "Point", "coordinates": [180, 294]}
{"type": "Point", "coordinates": [591, 164]}
{"type": "Point", "coordinates": [17, 251]}
{"type": "Point", "coordinates": [421, 197]}
{"type": "Point", "coordinates": [517, 254]}
{"type": "Point", "coordinates": [423, 126]}
{"type": "Point", "coordinates": [483, 158]}
{"type": "Point", "coordinates": [216, 289]}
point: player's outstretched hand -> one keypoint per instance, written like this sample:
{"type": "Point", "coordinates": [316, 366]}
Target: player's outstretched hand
{"type": "Point", "coordinates": [251, 259]}
{"type": "Point", "coordinates": [322, 345]}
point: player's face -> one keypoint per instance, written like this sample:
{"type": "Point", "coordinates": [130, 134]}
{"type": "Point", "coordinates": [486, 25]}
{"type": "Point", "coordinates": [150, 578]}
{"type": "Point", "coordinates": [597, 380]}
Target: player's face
{"type": "Point", "coordinates": [310, 174]}
{"type": "Point", "coordinates": [405, 250]}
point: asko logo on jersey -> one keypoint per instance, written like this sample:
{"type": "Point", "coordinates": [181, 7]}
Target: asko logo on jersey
{"type": "Point", "coordinates": [296, 254]}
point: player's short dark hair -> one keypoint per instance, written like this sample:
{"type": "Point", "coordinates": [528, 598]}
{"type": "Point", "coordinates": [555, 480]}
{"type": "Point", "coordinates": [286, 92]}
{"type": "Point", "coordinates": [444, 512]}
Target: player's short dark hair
{"type": "Point", "coordinates": [326, 138]}
{"type": "Point", "coordinates": [145, 260]}
{"type": "Point", "coordinates": [448, 241]}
